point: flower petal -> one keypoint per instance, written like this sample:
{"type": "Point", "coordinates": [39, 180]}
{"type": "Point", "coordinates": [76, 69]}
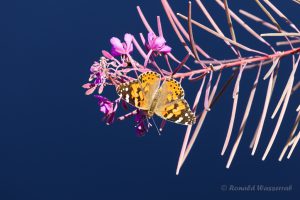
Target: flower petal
{"type": "Point", "coordinates": [100, 90]}
{"type": "Point", "coordinates": [117, 47]}
{"type": "Point", "coordinates": [106, 54]}
{"type": "Point", "coordinates": [165, 49]}
{"type": "Point", "coordinates": [151, 38]}
{"type": "Point", "coordinates": [86, 86]}
{"type": "Point", "coordinates": [159, 42]}
{"type": "Point", "coordinates": [129, 48]}
{"type": "Point", "coordinates": [128, 39]}
{"type": "Point", "coordinates": [90, 91]}
{"type": "Point", "coordinates": [114, 52]}
{"type": "Point", "coordinates": [116, 43]}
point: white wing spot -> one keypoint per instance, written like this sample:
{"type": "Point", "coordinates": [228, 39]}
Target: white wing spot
{"type": "Point", "coordinates": [179, 120]}
{"type": "Point", "coordinates": [127, 97]}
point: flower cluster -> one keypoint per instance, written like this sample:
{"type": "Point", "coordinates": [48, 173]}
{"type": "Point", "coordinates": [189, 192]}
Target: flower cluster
{"type": "Point", "coordinates": [98, 77]}
{"type": "Point", "coordinates": [114, 68]}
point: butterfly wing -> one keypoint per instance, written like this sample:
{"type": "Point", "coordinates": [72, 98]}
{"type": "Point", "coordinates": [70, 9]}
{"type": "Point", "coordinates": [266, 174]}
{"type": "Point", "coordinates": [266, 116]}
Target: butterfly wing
{"type": "Point", "coordinates": [140, 92]}
{"type": "Point", "coordinates": [171, 104]}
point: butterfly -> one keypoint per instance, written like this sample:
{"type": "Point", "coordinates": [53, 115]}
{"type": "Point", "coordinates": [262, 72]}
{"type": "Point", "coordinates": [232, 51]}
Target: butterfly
{"type": "Point", "coordinates": [165, 100]}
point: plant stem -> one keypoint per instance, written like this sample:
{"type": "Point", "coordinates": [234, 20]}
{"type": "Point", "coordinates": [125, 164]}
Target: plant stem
{"type": "Point", "coordinates": [239, 63]}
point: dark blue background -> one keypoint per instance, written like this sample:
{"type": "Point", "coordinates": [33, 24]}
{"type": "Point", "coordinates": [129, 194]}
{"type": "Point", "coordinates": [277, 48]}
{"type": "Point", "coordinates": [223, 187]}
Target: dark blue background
{"type": "Point", "coordinates": [53, 144]}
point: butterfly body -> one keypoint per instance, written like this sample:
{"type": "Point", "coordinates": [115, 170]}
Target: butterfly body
{"type": "Point", "coordinates": [165, 100]}
{"type": "Point", "coordinates": [151, 111]}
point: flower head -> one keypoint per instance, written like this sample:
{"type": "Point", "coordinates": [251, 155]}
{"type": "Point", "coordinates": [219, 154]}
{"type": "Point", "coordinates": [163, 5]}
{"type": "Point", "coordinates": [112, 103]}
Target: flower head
{"type": "Point", "coordinates": [157, 44]}
{"type": "Point", "coordinates": [106, 106]}
{"type": "Point", "coordinates": [141, 127]}
{"type": "Point", "coordinates": [98, 76]}
{"type": "Point", "coordinates": [121, 48]}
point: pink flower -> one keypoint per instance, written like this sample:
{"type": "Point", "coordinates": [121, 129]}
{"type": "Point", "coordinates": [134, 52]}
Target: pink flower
{"type": "Point", "coordinates": [106, 106]}
{"type": "Point", "coordinates": [119, 48]}
{"type": "Point", "coordinates": [141, 127]}
{"type": "Point", "coordinates": [157, 44]}
{"type": "Point", "coordinates": [98, 75]}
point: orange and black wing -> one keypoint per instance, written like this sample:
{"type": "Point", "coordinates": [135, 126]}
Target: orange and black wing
{"type": "Point", "coordinates": [171, 104]}
{"type": "Point", "coordinates": [140, 92]}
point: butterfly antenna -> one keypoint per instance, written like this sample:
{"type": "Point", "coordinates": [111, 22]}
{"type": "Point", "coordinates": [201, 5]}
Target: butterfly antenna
{"type": "Point", "coordinates": [156, 126]}
{"type": "Point", "coordinates": [162, 125]}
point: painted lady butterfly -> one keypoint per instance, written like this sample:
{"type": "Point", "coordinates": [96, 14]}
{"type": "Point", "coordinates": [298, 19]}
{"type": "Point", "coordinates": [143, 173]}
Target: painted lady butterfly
{"type": "Point", "coordinates": [166, 101]}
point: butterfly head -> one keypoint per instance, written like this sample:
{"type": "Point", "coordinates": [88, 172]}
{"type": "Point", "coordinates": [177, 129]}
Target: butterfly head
{"type": "Point", "coordinates": [150, 113]}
